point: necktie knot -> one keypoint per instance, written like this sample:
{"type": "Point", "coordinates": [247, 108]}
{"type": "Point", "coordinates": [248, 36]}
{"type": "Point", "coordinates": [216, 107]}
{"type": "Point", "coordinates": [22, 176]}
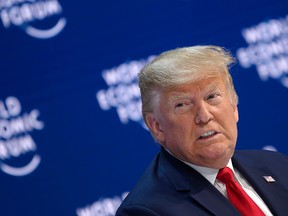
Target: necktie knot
{"type": "Point", "coordinates": [225, 175]}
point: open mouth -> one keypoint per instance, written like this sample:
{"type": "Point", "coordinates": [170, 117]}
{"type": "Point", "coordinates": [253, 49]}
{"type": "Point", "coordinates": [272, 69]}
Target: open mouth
{"type": "Point", "coordinates": [208, 134]}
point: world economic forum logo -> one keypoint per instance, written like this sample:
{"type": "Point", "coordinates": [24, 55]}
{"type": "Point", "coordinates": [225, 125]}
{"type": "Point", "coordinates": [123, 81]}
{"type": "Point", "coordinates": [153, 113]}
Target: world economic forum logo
{"type": "Point", "coordinates": [27, 14]}
{"type": "Point", "coordinates": [267, 49]}
{"type": "Point", "coordinates": [18, 150]}
{"type": "Point", "coordinates": [123, 92]}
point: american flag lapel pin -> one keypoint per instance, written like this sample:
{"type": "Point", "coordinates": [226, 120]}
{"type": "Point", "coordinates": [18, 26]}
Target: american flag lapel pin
{"type": "Point", "coordinates": [269, 179]}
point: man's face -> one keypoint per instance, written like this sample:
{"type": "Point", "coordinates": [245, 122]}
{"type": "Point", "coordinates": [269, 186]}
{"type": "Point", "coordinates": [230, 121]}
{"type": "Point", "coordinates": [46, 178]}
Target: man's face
{"type": "Point", "coordinates": [197, 122]}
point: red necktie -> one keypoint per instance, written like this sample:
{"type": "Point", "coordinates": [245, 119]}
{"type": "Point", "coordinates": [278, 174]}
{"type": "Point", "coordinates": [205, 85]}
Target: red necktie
{"type": "Point", "coordinates": [238, 197]}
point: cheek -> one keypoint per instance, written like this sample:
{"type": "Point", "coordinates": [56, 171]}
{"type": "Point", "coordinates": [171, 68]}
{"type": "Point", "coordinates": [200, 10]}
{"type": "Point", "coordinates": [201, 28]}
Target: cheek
{"type": "Point", "coordinates": [173, 131]}
{"type": "Point", "coordinates": [181, 137]}
{"type": "Point", "coordinates": [230, 113]}
{"type": "Point", "coordinates": [232, 127]}
{"type": "Point", "coordinates": [235, 131]}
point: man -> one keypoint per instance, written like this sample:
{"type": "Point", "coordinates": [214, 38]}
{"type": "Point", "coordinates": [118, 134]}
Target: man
{"type": "Point", "coordinates": [190, 107]}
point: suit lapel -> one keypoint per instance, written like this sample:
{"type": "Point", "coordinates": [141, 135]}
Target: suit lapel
{"type": "Point", "coordinates": [211, 199]}
{"type": "Point", "coordinates": [187, 180]}
{"type": "Point", "coordinates": [273, 194]}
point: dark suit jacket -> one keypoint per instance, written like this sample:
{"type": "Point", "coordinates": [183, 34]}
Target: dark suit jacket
{"type": "Point", "coordinates": [171, 188]}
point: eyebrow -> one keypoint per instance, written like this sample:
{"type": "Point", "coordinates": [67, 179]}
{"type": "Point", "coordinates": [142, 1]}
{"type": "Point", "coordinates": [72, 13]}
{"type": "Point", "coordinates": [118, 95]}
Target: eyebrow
{"type": "Point", "coordinates": [179, 95]}
{"type": "Point", "coordinates": [213, 86]}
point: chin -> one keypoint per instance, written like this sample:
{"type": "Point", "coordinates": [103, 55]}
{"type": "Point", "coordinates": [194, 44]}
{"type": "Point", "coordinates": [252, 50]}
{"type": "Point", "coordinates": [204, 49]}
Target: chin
{"type": "Point", "coordinates": [219, 150]}
{"type": "Point", "coordinates": [220, 156]}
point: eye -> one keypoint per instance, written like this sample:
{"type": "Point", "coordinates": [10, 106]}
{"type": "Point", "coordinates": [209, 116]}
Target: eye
{"type": "Point", "coordinates": [213, 96]}
{"type": "Point", "coordinates": [182, 106]}
{"type": "Point", "coordinates": [178, 105]}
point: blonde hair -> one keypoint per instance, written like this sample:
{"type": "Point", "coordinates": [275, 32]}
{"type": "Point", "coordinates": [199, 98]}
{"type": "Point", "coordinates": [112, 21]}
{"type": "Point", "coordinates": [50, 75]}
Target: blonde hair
{"type": "Point", "coordinates": [183, 65]}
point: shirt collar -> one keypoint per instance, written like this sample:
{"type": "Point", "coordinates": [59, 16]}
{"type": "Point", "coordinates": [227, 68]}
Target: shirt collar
{"type": "Point", "coordinates": [209, 173]}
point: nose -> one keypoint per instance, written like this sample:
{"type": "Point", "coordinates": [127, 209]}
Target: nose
{"type": "Point", "coordinates": [203, 115]}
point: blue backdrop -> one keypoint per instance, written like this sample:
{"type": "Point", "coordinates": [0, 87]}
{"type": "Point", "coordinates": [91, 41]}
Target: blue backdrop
{"type": "Point", "coordinates": [72, 140]}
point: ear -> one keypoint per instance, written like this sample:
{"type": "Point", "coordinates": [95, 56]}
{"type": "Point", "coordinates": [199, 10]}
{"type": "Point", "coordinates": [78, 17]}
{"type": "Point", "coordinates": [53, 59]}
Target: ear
{"type": "Point", "coordinates": [154, 126]}
{"type": "Point", "coordinates": [236, 114]}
